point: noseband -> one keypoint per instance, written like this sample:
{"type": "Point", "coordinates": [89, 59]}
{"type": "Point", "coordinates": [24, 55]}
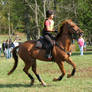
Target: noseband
{"type": "Point", "coordinates": [73, 29]}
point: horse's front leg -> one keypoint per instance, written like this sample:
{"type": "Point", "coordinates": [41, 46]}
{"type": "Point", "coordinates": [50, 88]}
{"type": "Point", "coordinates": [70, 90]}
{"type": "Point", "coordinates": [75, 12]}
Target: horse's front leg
{"type": "Point", "coordinates": [69, 61]}
{"type": "Point", "coordinates": [61, 66]}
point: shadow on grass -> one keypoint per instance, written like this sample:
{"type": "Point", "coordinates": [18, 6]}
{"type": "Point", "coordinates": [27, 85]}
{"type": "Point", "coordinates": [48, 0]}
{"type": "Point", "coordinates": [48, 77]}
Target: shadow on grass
{"type": "Point", "coordinates": [13, 85]}
{"type": "Point", "coordinates": [23, 85]}
{"type": "Point", "coordinates": [78, 53]}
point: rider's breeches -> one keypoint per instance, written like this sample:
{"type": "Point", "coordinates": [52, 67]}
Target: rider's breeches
{"type": "Point", "coordinates": [48, 38]}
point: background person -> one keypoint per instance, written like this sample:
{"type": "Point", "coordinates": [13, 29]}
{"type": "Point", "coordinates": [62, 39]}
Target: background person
{"type": "Point", "coordinates": [3, 47]}
{"type": "Point", "coordinates": [11, 47]}
{"type": "Point", "coordinates": [15, 43]}
{"type": "Point", "coordinates": [81, 44]}
{"type": "Point", "coordinates": [8, 49]}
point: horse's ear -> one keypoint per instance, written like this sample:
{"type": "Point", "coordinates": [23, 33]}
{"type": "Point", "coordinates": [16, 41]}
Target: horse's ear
{"type": "Point", "coordinates": [69, 21]}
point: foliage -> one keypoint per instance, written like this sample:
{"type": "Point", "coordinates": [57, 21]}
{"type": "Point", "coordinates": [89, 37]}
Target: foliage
{"type": "Point", "coordinates": [77, 46]}
{"type": "Point", "coordinates": [85, 16]}
{"type": "Point", "coordinates": [80, 11]}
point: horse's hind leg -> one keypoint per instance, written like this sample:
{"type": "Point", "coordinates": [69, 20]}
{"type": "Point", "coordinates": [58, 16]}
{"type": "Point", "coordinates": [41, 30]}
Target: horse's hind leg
{"type": "Point", "coordinates": [34, 66]}
{"type": "Point", "coordinates": [69, 61]}
{"type": "Point", "coordinates": [61, 66]}
{"type": "Point", "coordinates": [26, 68]}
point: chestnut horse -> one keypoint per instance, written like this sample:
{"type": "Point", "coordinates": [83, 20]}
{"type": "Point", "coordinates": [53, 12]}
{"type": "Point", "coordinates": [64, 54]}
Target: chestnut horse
{"type": "Point", "coordinates": [29, 53]}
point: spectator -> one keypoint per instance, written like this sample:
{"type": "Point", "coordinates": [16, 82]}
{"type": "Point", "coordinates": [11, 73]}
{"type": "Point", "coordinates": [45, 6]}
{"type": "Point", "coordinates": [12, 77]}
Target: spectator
{"type": "Point", "coordinates": [8, 49]}
{"type": "Point", "coordinates": [3, 47]}
{"type": "Point", "coordinates": [15, 43]}
{"type": "Point", "coordinates": [11, 47]}
{"type": "Point", "coordinates": [81, 44]}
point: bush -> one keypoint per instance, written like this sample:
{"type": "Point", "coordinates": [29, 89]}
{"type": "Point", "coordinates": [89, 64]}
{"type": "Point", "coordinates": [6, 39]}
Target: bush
{"type": "Point", "coordinates": [77, 46]}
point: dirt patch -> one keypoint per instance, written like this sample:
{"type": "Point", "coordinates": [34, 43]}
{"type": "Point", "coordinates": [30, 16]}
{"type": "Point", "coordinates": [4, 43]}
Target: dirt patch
{"type": "Point", "coordinates": [89, 69]}
{"type": "Point", "coordinates": [84, 73]}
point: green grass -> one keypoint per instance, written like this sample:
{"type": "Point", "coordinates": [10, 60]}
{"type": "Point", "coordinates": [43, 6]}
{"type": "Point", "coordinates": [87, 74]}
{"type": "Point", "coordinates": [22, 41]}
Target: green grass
{"type": "Point", "coordinates": [89, 47]}
{"type": "Point", "coordinates": [19, 82]}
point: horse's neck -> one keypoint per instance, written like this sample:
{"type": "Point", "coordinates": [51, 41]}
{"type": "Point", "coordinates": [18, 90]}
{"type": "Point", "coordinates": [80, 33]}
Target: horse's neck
{"type": "Point", "coordinates": [65, 41]}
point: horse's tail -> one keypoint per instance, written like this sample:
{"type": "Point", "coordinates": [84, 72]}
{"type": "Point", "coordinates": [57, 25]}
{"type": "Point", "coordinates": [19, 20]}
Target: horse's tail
{"type": "Point", "coordinates": [14, 52]}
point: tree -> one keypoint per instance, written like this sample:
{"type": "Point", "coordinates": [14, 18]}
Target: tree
{"type": "Point", "coordinates": [85, 17]}
{"type": "Point", "coordinates": [28, 17]}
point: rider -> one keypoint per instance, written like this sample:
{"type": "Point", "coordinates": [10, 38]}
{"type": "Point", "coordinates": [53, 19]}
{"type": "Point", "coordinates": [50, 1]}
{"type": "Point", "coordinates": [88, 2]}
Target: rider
{"type": "Point", "coordinates": [48, 29]}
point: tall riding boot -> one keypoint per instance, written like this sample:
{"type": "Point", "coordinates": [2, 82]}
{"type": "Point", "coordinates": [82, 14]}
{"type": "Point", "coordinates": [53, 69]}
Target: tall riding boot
{"type": "Point", "coordinates": [48, 52]}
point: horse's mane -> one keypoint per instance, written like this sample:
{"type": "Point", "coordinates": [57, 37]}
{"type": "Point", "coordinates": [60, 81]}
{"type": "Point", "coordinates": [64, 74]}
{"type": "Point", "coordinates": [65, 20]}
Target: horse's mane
{"type": "Point", "coordinates": [61, 28]}
{"type": "Point", "coordinates": [71, 23]}
{"type": "Point", "coordinates": [60, 31]}
{"type": "Point", "coordinates": [67, 21]}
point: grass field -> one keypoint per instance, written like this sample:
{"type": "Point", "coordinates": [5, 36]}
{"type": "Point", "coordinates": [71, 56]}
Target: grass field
{"type": "Point", "coordinates": [19, 82]}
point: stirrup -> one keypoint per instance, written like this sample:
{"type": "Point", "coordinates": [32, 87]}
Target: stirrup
{"type": "Point", "coordinates": [49, 57]}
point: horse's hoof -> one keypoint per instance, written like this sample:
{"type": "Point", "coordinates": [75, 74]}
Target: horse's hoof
{"type": "Point", "coordinates": [32, 82]}
{"type": "Point", "coordinates": [55, 79]}
{"type": "Point", "coordinates": [68, 75]}
{"type": "Point", "coordinates": [44, 84]}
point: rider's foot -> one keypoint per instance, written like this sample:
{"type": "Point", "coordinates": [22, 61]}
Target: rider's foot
{"type": "Point", "coordinates": [49, 57]}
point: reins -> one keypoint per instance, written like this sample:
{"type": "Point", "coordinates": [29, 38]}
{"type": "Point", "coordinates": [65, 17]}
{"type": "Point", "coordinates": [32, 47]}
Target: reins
{"type": "Point", "coordinates": [68, 53]}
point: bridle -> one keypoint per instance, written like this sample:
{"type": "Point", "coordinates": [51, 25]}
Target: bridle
{"type": "Point", "coordinates": [74, 30]}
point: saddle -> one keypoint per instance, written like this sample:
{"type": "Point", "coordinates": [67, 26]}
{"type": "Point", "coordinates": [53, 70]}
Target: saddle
{"type": "Point", "coordinates": [42, 43]}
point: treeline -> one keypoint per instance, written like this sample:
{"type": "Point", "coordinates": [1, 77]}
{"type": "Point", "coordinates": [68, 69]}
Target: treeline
{"type": "Point", "coordinates": [28, 15]}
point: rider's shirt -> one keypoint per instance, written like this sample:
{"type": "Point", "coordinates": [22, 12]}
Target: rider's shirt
{"type": "Point", "coordinates": [48, 25]}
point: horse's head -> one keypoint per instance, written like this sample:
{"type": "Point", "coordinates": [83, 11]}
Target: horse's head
{"type": "Point", "coordinates": [74, 30]}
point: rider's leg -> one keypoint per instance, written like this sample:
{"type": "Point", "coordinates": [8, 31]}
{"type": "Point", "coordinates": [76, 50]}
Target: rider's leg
{"type": "Point", "coordinates": [49, 39]}
{"type": "Point", "coordinates": [50, 45]}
